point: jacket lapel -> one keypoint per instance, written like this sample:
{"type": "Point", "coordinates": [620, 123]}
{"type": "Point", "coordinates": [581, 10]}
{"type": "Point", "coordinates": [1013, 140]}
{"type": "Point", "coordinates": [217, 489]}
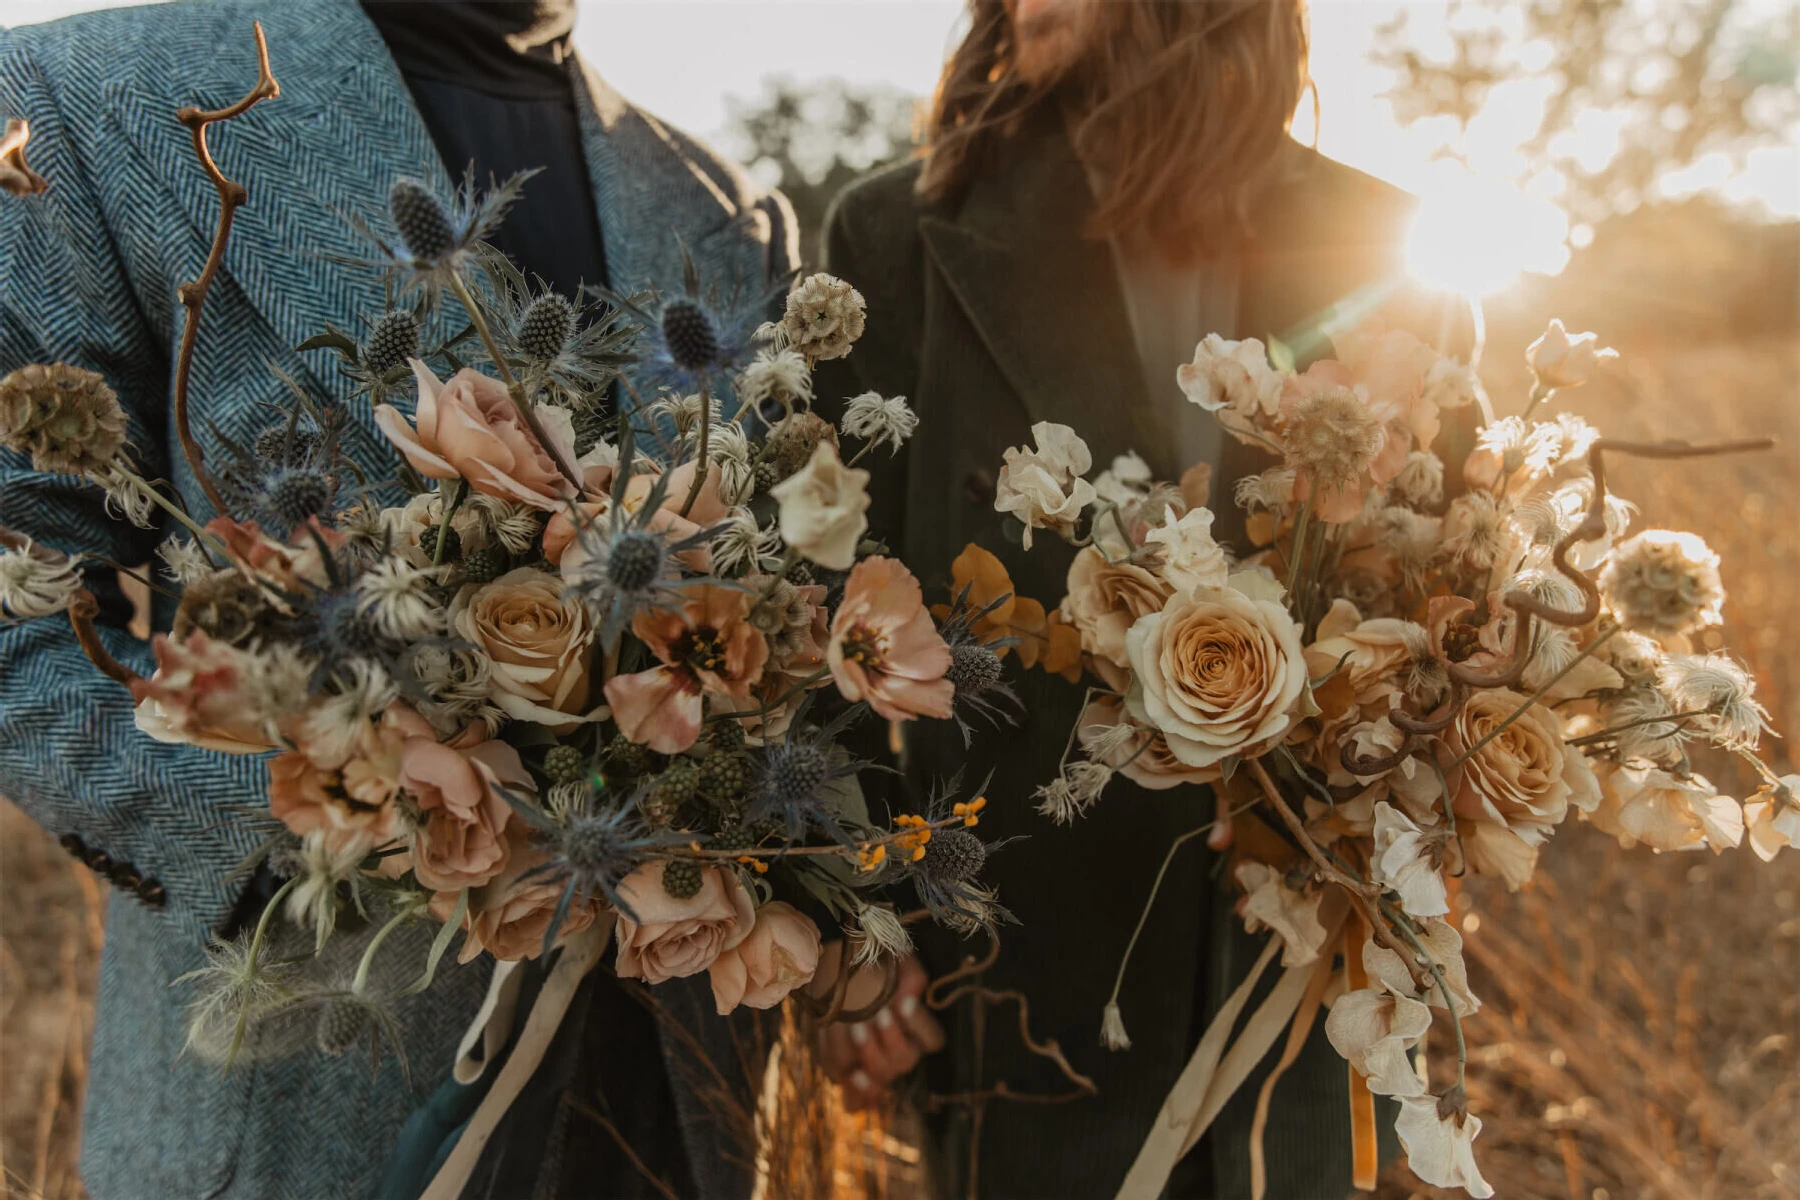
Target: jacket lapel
{"type": "Point", "coordinates": [332, 143]}
{"type": "Point", "coordinates": [1046, 299]}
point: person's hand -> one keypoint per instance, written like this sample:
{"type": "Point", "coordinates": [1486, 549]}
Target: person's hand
{"type": "Point", "coordinates": [864, 1058]}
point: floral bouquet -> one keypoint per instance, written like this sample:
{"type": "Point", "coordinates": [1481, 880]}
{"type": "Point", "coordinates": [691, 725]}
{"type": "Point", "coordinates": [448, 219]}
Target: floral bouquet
{"type": "Point", "coordinates": [591, 678]}
{"type": "Point", "coordinates": [1391, 691]}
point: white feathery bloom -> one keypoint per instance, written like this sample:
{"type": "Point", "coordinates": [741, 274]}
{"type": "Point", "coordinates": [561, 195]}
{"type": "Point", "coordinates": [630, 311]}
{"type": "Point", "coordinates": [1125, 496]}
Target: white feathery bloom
{"type": "Point", "coordinates": [515, 526]}
{"type": "Point", "coordinates": [183, 559]}
{"type": "Point", "coordinates": [741, 545]}
{"type": "Point", "coordinates": [1632, 713]}
{"type": "Point", "coordinates": [1271, 489]}
{"type": "Point", "coordinates": [460, 682]}
{"type": "Point", "coordinates": [1073, 791]}
{"type": "Point", "coordinates": [127, 495]}
{"type": "Point", "coordinates": [880, 420]}
{"type": "Point", "coordinates": [729, 450]}
{"type": "Point", "coordinates": [1475, 530]}
{"type": "Point", "coordinates": [780, 375]}
{"type": "Point", "coordinates": [1719, 686]}
{"type": "Point", "coordinates": [1421, 479]}
{"type": "Point", "coordinates": [36, 583]}
{"type": "Point", "coordinates": [879, 935]}
{"type": "Point", "coordinates": [1440, 1148]}
{"type": "Point", "coordinates": [394, 595]}
{"type": "Point", "coordinates": [336, 725]}
{"type": "Point", "coordinates": [276, 681]}
{"type": "Point", "coordinates": [684, 411]}
{"type": "Point", "coordinates": [1105, 742]}
{"type": "Point", "coordinates": [313, 902]}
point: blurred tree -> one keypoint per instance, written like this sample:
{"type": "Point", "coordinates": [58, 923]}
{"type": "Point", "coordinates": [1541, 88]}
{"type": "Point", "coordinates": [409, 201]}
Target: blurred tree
{"type": "Point", "coordinates": [810, 139]}
{"type": "Point", "coordinates": [1631, 90]}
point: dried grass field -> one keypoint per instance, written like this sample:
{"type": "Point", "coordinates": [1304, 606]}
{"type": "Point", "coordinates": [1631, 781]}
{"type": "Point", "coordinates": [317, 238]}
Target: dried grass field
{"type": "Point", "coordinates": [1642, 1031]}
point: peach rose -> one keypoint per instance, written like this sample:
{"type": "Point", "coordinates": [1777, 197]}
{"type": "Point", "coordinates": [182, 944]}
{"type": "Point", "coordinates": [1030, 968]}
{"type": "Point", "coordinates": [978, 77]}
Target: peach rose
{"type": "Point", "coordinates": [1220, 672]}
{"type": "Point", "coordinates": [1524, 780]}
{"type": "Point", "coordinates": [560, 535]}
{"type": "Point", "coordinates": [509, 916]}
{"type": "Point", "coordinates": [541, 645]}
{"type": "Point", "coordinates": [663, 938]}
{"type": "Point", "coordinates": [468, 427]}
{"type": "Point", "coordinates": [1105, 600]}
{"type": "Point", "coordinates": [781, 954]}
{"type": "Point", "coordinates": [462, 840]}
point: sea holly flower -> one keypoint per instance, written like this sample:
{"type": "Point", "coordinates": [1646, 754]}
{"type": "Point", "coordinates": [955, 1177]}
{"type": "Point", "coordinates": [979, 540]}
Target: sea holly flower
{"type": "Point", "coordinates": [434, 241]}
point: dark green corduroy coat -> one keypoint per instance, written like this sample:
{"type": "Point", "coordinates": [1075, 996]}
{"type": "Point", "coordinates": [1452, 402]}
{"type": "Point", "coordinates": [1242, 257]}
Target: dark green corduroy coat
{"type": "Point", "coordinates": [989, 314]}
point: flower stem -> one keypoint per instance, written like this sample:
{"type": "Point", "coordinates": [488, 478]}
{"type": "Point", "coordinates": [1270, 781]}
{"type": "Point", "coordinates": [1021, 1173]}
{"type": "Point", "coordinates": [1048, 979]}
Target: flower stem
{"type": "Point", "coordinates": [453, 503]}
{"type": "Point", "coordinates": [368, 959]}
{"type": "Point", "coordinates": [701, 464]}
{"type": "Point", "coordinates": [513, 388]}
{"type": "Point", "coordinates": [1404, 925]}
{"type": "Point", "coordinates": [242, 1029]}
{"type": "Point", "coordinates": [1665, 719]}
{"type": "Point", "coordinates": [174, 510]}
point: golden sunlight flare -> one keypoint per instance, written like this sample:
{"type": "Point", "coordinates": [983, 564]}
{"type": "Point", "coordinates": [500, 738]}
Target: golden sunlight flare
{"type": "Point", "coordinates": [1475, 236]}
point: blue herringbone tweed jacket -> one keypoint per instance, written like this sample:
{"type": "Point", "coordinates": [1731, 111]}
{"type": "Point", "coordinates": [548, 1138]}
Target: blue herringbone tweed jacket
{"type": "Point", "coordinates": [88, 275]}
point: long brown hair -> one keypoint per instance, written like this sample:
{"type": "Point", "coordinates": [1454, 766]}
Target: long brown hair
{"type": "Point", "coordinates": [1180, 108]}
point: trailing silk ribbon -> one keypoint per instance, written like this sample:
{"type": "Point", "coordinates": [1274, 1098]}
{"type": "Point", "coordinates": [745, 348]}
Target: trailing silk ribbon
{"type": "Point", "coordinates": [1297, 1034]}
{"type": "Point", "coordinates": [1365, 1151]}
{"type": "Point", "coordinates": [491, 1025]}
{"type": "Point", "coordinates": [579, 955]}
{"type": "Point", "coordinates": [1213, 1075]}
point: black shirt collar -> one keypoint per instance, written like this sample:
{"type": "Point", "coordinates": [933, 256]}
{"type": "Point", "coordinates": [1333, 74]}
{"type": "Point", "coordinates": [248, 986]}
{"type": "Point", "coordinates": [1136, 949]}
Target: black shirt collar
{"type": "Point", "coordinates": [508, 48]}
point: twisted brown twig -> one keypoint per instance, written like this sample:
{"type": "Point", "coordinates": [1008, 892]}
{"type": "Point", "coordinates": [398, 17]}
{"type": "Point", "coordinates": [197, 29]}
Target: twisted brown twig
{"type": "Point", "coordinates": [193, 295]}
{"type": "Point", "coordinates": [16, 176]}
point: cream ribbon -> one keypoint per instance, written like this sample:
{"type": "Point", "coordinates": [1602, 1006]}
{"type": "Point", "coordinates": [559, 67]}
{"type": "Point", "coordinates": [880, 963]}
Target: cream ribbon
{"type": "Point", "coordinates": [579, 955]}
{"type": "Point", "coordinates": [1213, 1075]}
{"type": "Point", "coordinates": [491, 1024]}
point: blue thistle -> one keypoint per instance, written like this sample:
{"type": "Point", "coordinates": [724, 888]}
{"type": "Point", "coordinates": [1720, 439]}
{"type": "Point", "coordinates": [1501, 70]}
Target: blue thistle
{"type": "Point", "coordinates": [795, 779]}
{"type": "Point", "coordinates": [695, 339]}
{"type": "Point", "coordinates": [976, 669]}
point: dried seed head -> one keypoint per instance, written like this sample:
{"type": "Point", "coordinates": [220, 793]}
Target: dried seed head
{"type": "Point", "coordinates": [689, 334]}
{"type": "Point", "coordinates": [953, 856]}
{"type": "Point", "coordinates": [973, 668]}
{"type": "Point", "coordinates": [544, 329]}
{"type": "Point", "coordinates": [66, 418]}
{"type": "Point", "coordinates": [393, 339]}
{"type": "Point", "coordinates": [342, 1024]}
{"type": "Point", "coordinates": [423, 225]}
{"type": "Point", "coordinates": [295, 494]}
{"type": "Point", "coordinates": [1663, 582]}
{"type": "Point", "coordinates": [682, 878]}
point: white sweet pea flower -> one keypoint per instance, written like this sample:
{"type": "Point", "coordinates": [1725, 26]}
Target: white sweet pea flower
{"type": "Point", "coordinates": [1373, 1028]}
{"type": "Point", "coordinates": [1044, 488]}
{"type": "Point", "coordinates": [1441, 1149]}
{"type": "Point", "coordinates": [1233, 379]}
{"type": "Point", "coordinates": [824, 509]}
{"type": "Point", "coordinates": [1406, 861]}
{"type": "Point", "coordinates": [1771, 822]}
{"type": "Point", "coordinates": [1292, 915]}
{"type": "Point", "coordinates": [1191, 558]}
{"type": "Point", "coordinates": [1559, 360]}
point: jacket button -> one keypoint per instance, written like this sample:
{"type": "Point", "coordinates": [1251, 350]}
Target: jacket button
{"type": "Point", "coordinates": [99, 862]}
{"type": "Point", "coordinates": [73, 844]}
{"type": "Point", "coordinates": [151, 893]}
{"type": "Point", "coordinates": [125, 877]}
{"type": "Point", "coordinates": [978, 486]}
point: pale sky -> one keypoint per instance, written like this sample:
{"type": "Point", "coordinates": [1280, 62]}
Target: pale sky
{"type": "Point", "coordinates": [682, 59]}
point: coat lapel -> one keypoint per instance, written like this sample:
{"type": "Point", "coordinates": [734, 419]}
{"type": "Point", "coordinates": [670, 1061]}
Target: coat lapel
{"type": "Point", "coordinates": [332, 143]}
{"type": "Point", "coordinates": [1046, 299]}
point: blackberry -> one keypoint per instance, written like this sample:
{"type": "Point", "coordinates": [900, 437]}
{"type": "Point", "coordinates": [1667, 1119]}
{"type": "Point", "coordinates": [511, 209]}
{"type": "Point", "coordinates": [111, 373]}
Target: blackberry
{"type": "Point", "coordinates": [273, 445]}
{"type": "Point", "coordinates": [626, 759]}
{"type": "Point", "coordinates": [767, 476]}
{"type": "Point", "coordinates": [735, 838]}
{"type": "Point", "coordinates": [682, 878]}
{"type": "Point", "coordinates": [679, 784]}
{"type": "Point", "coordinates": [973, 668]}
{"type": "Point", "coordinates": [726, 735]}
{"type": "Point", "coordinates": [483, 566]}
{"type": "Point", "coordinates": [688, 332]}
{"type": "Point", "coordinates": [428, 542]}
{"type": "Point", "coordinates": [801, 574]}
{"type": "Point", "coordinates": [953, 856]}
{"type": "Point", "coordinates": [544, 329]}
{"type": "Point", "coordinates": [342, 1023]}
{"type": "Point", "coordinates": [766, 828]}
{"type": "Point", "coordinates": [424, 227]}
{"type": "Point", "coordinates": [392, 340]}
{"type": "Point", "coordinates": [294, 494]}
{"type": "Point", "coordinates": [565, 764]}
{"type": "Point", "coordinates": [724, 775]}
{"type": "Point", "coordinates": [634, 561]}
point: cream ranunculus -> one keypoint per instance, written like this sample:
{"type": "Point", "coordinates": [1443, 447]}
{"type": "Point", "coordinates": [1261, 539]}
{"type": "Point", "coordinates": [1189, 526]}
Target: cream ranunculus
{"type": "Point", "coordinates": [781, 954]}
{"type": "Point", "coordinates": [1105, 599]}
{"type": "Point", "coordinates": [1220, 672]}
{"type": "Point", "coordinates": [541, 645]}
{"type": "Point", "coordinates": [662, 938]}
{"type": "Point", "coordinates": [1192, 559]}
{"type": "Point", "coordinates": [1646, 804]}
{"type": "Point", "coordinates": [824, 509]}
{"type": "Point", "coordinates": [1044, 487]}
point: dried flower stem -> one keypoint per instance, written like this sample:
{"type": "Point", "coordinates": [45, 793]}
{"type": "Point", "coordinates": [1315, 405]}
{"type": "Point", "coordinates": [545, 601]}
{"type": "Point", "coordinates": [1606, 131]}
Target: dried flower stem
{"type": "Point", "coordinates": [1326, 867]}
{"type": "Point", "coordinates": [206, 539]}
{"type": "Point", "coordinates": [513, 388]}
{"type": "Point", "coordinates": [1404, 925]}
{"type": "Point", "coordinates": [702, 467]}
{"type": "Point", "coordinates": [242, 1028]}
{"type": "Point", "coordinates": [193, 295]}
{"type": "Point", "coordinates": [82, 610]}
{"type": "Point", "coordinates": [451, 504]}
{"type": "Point", "coordinates": [697, 851]}
{"type": "Point", "coordinates": [1665, 719]}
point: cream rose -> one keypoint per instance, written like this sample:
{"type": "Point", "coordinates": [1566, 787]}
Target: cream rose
{"type": "Point", "coordinates": [1106, 599]}
{"type": "Point", "coordinates": [540, 643]}
{"type": "Point", "coordinates": [1524, 779]}
{"type": "Point", "coordinates": [662, 938]}
{"type": "Point", "coordinates": [1044, 488]}
{"type": "Point", "coordinates": [824, 509]}
{"type": "Point", "coordinates": [1219, 672]}
{"type": "Point", "coordinates": [469, 427]}
{"type": "Point", "coordinates": [781, 954]}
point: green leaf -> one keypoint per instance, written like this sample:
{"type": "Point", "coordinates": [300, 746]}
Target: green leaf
{"type": "Point", "coordinates": [439, 944]}
{"type": "Point", "coordinates": [333, 339]}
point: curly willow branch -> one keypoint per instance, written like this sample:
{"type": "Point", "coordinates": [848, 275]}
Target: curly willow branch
{"type": "Point", "coordinates": [83, 608]}
{"type": "Point", "coordinates": [193, 295]}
